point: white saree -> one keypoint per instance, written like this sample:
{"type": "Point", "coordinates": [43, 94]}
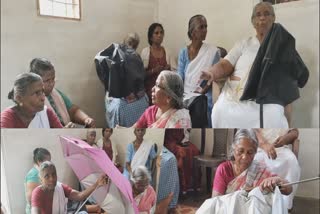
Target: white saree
{"type": "Point", "coordinates": [59, 203]}
{"type": "Point", "coordinates": [40, 120]}
{"type": "Point", "coordinates": [140, 158]}
{"type": "Point", "coordinates": [285, 165]}
{"type": "Point", "coordinates": [241, 202]}
{"type": "Point", "coordinates": [229, 111]}
{"type": "Point", "coordinates": [202, 62]}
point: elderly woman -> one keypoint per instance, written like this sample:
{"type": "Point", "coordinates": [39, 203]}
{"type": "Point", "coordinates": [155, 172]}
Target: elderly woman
{"type": "Point", "coordinates": [110, 149]}
{"type": "Point", "coordinates": [126, 111]}
{"type": "Point", "coordinates": [167, 111]}
{"type": "Point", "coordinates": [55, 99]}
{"type": "Point", "coordinates": [279, 158]}
{"type": "Point", "coordinates": [91, 138]}
{"type": "Point", "coordinates": [195, 58]}
{"type": "Point", "coordinates": [143, 193]}
{"type": "Point", "coordinates": [241, 68]}
{"type": "Point", "coordinates": [155, 57]}
{"type": "Point", "coordinates": [32, 178]}
{"type": "Point", "coordinates": [30, 110]}
{"type": "Point", "coordinates": [139, 153]}
{"type": "Point", "coordinates": [50, 196]}
{"type": "Point", "coordinates": [177, 142]}
{"type": "Point", "coordinates": [241, 172]}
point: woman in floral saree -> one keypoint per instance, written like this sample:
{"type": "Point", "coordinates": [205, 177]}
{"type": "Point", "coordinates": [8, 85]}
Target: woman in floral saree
{"type": "Point", "coordinates": [167, 111]}
{"type": "Point", "coordinates": [241, 172]}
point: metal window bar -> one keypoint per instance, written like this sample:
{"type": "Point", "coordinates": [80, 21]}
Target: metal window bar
{"type": "Point", "coordinates": [75, 4]}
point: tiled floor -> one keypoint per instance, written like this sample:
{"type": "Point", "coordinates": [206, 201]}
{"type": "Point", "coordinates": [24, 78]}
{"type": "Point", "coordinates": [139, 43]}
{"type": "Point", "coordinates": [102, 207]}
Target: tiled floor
{"type": "Point", "coordinates": [301, 205]}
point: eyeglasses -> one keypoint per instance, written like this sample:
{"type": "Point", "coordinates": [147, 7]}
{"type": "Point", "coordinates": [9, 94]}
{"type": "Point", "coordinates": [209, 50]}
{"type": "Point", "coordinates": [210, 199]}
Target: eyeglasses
{"type": "Point", "coordinates": [265, 14]}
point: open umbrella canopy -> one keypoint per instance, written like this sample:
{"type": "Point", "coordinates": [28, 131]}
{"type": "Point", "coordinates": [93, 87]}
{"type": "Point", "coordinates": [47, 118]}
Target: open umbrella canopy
{"type": "Point", "coordinates": [86, 160]}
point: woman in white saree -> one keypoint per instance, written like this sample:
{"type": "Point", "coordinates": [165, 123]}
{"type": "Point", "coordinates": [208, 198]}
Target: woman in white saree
{"type": "Point", "coordinates": [241, 185]}
{"type": "Point", "coordinates": [139, 153]}
{"type": "Point", "coordinates": [196, 57]}
{"type": "Point", "coordinates": [229, 111]}
{"type": "Point", "coordinates": [29, 110]}
{"type": "Point", "coordinates": [274, 151]}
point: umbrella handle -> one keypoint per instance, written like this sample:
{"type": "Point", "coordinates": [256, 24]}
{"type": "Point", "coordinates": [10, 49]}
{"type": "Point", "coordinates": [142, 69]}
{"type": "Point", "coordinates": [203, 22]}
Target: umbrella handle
{"type": "Point", "coordinates": [85, 201]}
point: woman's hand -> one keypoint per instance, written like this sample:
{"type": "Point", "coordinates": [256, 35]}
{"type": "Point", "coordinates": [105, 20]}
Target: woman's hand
{"type": "Point", "coordinates": [207, 75]}
{"type": "Point", "coordinates": [103, 180]}
{"type": "Point", "coordinates": [268, 184]}
{"type": "Point", "coordinates": [89, 122]}
{"type": "Point", "coordinates": [70, 125]}
{"type": "Point", "coordinates": [270, 150]}
{"type": "Point", "coordinates": [280, 141]}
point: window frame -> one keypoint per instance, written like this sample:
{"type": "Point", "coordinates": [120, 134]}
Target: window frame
{"type": "Point", "coordinates": [59, 17]}
{"type": "Point", "coordinates": [277, 3]}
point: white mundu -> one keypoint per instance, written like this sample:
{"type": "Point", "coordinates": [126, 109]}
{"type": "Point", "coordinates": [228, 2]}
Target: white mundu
{"type": "Point", "coordinates": [285, 165]}
{"type": "Point", "coordinates": [229, 111]}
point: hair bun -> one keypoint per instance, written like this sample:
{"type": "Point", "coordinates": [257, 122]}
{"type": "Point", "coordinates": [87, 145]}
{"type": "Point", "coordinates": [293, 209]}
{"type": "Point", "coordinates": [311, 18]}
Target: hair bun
{"type": "Point", "coordinates": [11, 95]}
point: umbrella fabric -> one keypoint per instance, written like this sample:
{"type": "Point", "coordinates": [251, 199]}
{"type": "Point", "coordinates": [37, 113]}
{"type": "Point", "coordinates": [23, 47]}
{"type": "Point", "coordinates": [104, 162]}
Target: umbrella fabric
{"type": "Point", "coordinates": [86, 160]}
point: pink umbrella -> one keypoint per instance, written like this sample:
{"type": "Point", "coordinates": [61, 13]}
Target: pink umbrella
{"type": "Point", "coordinates": [86, 160]}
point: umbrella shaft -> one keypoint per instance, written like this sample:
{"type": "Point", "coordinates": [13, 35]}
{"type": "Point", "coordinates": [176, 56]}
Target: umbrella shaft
{"type": "Point", "coordinates": [302, 181]}
{"type": "Point", "coordinates": [85, 201]}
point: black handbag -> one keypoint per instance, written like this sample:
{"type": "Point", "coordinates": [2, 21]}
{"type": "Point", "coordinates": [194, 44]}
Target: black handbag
{"type": "Point", "coordinates": [121, 70]}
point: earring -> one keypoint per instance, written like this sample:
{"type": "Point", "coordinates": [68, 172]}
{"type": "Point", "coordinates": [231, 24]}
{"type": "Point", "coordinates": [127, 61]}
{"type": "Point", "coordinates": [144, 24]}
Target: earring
{"type": "Point", "coordinates": [20, 104]}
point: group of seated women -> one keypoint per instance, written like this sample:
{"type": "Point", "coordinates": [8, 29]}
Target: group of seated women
{"type": "Point", "coordinates": [42, 187]}
{"type": "Point", "coordinates": [38, 104]}
{"type": "Point", "coordinates": [158, 96]}
{"type": "Point", "coordinates": [44, 194]}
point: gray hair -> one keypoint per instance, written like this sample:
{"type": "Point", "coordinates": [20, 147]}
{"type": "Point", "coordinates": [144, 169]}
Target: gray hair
{"type": "Point", "coordinates": [132, 40]}
{"type": "Point", "coordinates": [45, 165]}
{"type": "Point", "coordinates": [41, 66]}
{"type": "Point", "coordinates": [22, 83]}
{"type": "Point", "coordinates": [89, 131]}
{"type": "Point", "coordinates": [268, 4]}
{"type": "Point", "coordinates": [173, 86]}
{"type": "Point", "coordinates": [141, 173]}
{"type": "Point", "coordinates": [192, 23]}
{"type": "Point", "coordinates": [244, 133]}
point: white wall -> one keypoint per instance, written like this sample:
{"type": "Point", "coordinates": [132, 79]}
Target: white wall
{"type": "Point", "coordinates": [17, 151]}
{"type": "Point", "coordinates": [309, 162]}
{"type": "Point", "coordinates": [229, 21]}
{"type": "Point", "coordinates": [70, 45]}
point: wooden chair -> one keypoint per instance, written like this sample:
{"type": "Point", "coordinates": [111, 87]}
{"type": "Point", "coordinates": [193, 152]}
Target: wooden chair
{"type": "Point", "coordinates": [222, 141]}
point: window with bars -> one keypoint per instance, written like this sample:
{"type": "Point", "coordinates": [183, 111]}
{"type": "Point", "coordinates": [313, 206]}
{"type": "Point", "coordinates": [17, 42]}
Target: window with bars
{"type": "Point", "coordinates": [279, 1]}
{"type": "Point", "coordinates": [70, 9]}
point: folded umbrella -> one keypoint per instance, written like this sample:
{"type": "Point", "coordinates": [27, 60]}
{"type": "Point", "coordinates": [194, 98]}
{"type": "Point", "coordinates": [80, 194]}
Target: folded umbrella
{"type": "Point", "coordinates": [86, 160]}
